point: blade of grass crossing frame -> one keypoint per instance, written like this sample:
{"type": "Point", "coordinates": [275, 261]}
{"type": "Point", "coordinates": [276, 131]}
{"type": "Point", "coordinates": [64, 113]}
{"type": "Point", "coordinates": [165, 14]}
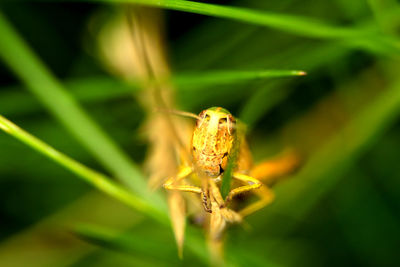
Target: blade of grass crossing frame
{"type": "Point", "coordinates": [138, 243]}
{"type": "Point", "coordinates": [294, 24]}
{"type": "Point", "coordinates": [227, 177]}
{"type": "Point", "coordinates": [39, 80]}
{"type": "Point", "coordinates": [94, 178]}
{"type": "Point", "coordinates": [18, 56]}
{"type": "Point", "coordinates": [86, 90]}
{"type": "Point", "coordinates": [232, 160]}
{"type": "Point", "coordinates": [97, 89]}
{"type": "Point", "coordinates": [200, 79]}
{"type": "Point", "coordinates": [303, 26]}
{"type": "Point", "coordinates": [98, 180]}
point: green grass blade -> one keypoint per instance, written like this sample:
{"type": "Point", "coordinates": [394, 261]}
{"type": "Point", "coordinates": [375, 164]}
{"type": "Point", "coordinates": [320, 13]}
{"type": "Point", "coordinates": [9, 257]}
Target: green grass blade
{"type": "Point", "coordinates": [293, 24]}
{"type": "Point", "coordinates": [142, 243]}
{"type": "Point", "coordinates": [99, 181]}
{"type": "Point", "coordinates": [28, 67]}
{"type": "Point", "coordinates": [97, 89]}
{"type": "Point", "coordinates": [232, 159]}
{"type": "Point", "coordinates": [227, 177]}
{"type": "Point", "coordinates": [94, 178]}
{"type": "Point", "coordinates": [14, 101]}
{"type": "Point", "coordinates": [203, 79]}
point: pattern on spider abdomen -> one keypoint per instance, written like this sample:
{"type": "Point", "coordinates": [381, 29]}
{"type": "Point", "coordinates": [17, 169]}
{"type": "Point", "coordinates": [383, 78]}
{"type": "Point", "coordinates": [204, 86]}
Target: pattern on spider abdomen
{"type": "Point", "coordinates": [212, 140]}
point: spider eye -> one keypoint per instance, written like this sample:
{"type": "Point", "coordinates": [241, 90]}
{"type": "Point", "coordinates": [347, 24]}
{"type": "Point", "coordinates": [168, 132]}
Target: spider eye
{"type": "Point", "coordinates": [207, 117]}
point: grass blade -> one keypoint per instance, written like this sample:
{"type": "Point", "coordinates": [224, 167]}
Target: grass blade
{"type": "Point", "coordinates": [294, 24]}
{"type": "Point", "coordinates": [14, 101]}
{"type": "Point", "coordinates": [94, 178]}
{"type": "Point", "coordinates": [18, 56]}
{"type": "Point", "coordinates": [139, 243]}
{"type": "Point", "coordinates": [97, 89]}
{"type": "Point", "coordinates": [202, 79]}
{"type": "Point", "coordinates": [99, 181]}
{"type": "Point", "coordinates": [232, 159]}
{"type": "Point", "coordinates": [302, 26]}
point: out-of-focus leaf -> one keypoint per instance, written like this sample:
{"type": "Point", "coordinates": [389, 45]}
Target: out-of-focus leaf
{"type": "Point", "coordinates": [140, 243]}
{"type": "Point", "coordinates": [23, 249]}
{"type": "Point", "coordinates": [328, 164]}
{"type": "Point", "coordinates": [13, 101]}
{"type": "Point", "coordinates": [358, 203]}
{"type": "Point", "coordinates": [380, 10]}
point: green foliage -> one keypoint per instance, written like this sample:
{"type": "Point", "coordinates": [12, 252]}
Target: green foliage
{"type": "Point", "coordinates": [342, 116]}
{"type": "Point", "coordinates": [58, 101]}
{"type": "Point", "coordinates": [99, 89]}
{"type": "Point", "coordinates": [98, 180]}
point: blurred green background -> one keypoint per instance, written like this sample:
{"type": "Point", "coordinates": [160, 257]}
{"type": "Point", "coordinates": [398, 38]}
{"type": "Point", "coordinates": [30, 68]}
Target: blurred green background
{"type": "Point", "coordinates": [341, 208]}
